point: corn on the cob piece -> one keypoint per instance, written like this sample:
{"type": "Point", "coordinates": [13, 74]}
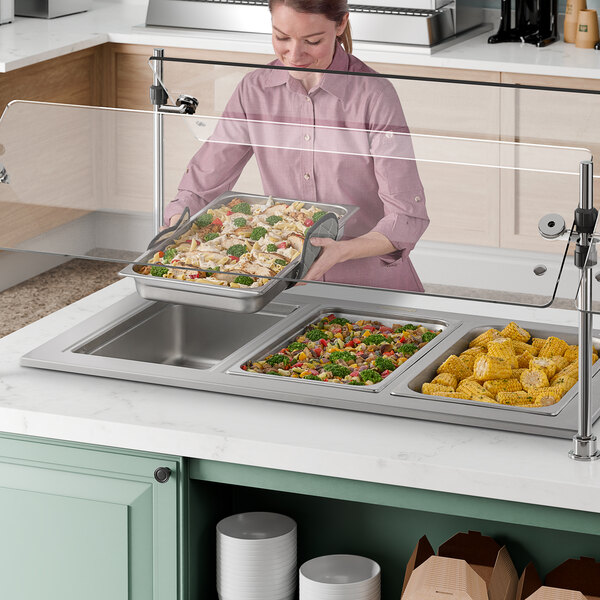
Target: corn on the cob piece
{"type": "Point", "coordinates": [491, 367]}
{"type": "Point", "coordinates": [472, 388]}
{"type": "Point", "coordinates": [533, 378]}
{"type": "Point", "coordinates": [458, 395]}
{"type": "Point", "coordinates": [503, 348]}
{"type": "Point", "coordinates": [516, 373]}
{"type": "Point", "coordinates": [484, 338]}
{"type": "Point", "coordinates": [553, 347]}
{"type": "Point", "coordinates": [571, 353]}
{"type": "Point", "coordinates": [560, 361]}
{"type": "Point", "coordinates": [524, 359]}
{"type": "Point", "coordinates": [522, 401]}
{"type": "Point", "coordinates": [475, 350]}
{"type": "Point", "coordinates": [538, 342]}
{"type": "Point", "coordinates": [494, 386]}
{"type": "Point", "coordinates": [454, 365]}
{"type": "Point", "coordinates": [446, 379]}
{"type": "Point", "coordinates": [513, 397]}
{"type": "Point", "coordinates": [431, 389]}
{"type": "Point", "coordinates": [483, 398]}
{"type": "Point", "coordinates": [564, 382]}
{"type": "Point", "coordinates": [469, 359]}
{"type": "Point", "coordinates": [521, 347]}
{"type": "Point", "coordinates": [543, 364]}
{"type": "Point", "coordinates": [571, 370]}
{"type": "Point", "coordinates": [514, 332]}
{"type": "Point", "coordinates": [553, 391]}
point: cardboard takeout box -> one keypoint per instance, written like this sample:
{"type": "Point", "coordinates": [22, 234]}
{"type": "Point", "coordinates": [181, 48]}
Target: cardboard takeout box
{"type": "Point", "coordinates": [572, 580]}
{"type": "Point", "coordinates": [469, 566]}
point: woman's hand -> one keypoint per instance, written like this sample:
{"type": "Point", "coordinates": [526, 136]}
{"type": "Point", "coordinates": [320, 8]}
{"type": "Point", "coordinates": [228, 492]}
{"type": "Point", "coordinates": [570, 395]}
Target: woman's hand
{"type": "Point", "coordinates": [172, 221]}
{"type": "Point", "coordinates": [333, 253]}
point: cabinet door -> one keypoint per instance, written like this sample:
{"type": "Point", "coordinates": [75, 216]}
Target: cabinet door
{"type": "Point", "coordinates": [81, 523]}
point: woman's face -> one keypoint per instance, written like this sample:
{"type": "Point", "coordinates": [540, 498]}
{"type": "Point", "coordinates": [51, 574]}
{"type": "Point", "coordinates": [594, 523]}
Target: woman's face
{"type": "Point", "coordinates": [304, 39]}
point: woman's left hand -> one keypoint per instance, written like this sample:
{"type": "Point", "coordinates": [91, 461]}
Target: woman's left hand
{"type": "Point", "coordinates": [333, 253]}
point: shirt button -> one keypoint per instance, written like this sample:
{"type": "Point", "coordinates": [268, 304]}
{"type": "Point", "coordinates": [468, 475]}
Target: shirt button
{"type": "Point", "coordinates": [307, 176]}
{"type": "Point", "coordinates": [417, 198]}
{"type": "Point", "coordinates": [308, 98]}
{"type": "Point", "coordinates": [307, 137]}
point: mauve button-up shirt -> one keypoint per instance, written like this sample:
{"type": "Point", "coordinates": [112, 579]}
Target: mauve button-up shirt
{"type": "Point", "coordinates": [344, 142]}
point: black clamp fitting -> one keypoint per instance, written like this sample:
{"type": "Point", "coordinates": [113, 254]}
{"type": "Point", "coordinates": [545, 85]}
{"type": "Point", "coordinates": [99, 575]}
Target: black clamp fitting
{"type": "Point", "coordinates": [585, 222]}
{"type": "Point", "coordinates": [158, 95]}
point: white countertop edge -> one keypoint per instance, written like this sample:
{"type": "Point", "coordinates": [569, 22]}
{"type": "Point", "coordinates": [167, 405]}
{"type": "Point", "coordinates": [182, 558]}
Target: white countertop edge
{"type": "Point", "coordinates": [291, 437]}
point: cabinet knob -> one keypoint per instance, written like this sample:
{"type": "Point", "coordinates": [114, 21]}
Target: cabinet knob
{"type": "Point", "coordinates": [162, 474]}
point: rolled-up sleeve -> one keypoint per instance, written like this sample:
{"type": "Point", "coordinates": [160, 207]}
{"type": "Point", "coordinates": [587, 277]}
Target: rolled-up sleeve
{"type": "Point", "coordinates": [400, 189]}
{"type": "Point", "coordinates": [218, 163]}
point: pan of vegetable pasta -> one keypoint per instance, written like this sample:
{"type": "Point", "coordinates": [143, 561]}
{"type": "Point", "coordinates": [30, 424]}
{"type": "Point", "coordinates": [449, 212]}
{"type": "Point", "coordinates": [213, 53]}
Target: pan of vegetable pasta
{"type": "Point", "coordinates": [237, 253]}
{"type": "Point", "coordinates": [337, 348]}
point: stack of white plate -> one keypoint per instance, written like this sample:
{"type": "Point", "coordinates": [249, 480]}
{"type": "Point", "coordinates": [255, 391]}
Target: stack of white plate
{"type": "Point", "coordinates": [340, 577]}
{"type": "Point", "coordinates": [256, 557]}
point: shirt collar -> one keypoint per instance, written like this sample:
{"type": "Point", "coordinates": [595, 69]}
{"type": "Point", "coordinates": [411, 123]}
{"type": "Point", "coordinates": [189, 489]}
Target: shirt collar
{"type": "Point", "coordinates": [331, 83]}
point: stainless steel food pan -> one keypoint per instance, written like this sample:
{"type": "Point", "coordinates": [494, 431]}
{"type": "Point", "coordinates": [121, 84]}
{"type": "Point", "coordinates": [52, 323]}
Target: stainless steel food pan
{"type": "Point", "coordinates": [196, 293]}
{"type": "Point", "coordinates": [386, 318]}
{"type": "Point", "coordinates": [412, 387]}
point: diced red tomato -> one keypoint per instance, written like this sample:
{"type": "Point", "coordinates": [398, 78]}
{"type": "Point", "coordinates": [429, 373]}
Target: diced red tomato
{"type": "Point", "coordinates": [188, 241]}
{"type": "Point", "coordinates": [298, 364]}
{"type": "Point", "coordinates": [350, 344]}
{"type": "Point", "coordinates": [323, 342]}
{"type": "Point", "coordinates": [388, 354]}
{"type": "Point", "coordinates": [308, 222]}
{"type": "Point", "coordinates": [384, 329]}
{"type": "Point", "coordinates": [369, 327]}
{"type": "Point", "coordinates": [318, 351]}
{"type": "Point", "coordinates": [356, 341]}
{"type": "Point", "coordinates": [282, 245]}
{"type": "Point", "coordinates": [217, 221]}
{"type": "Point", "coordinates": [235, 258]}
{"type": "Point", "coordinates": [330, 317]}
{"type": "Point", "coordinates": [385, 373]}
{"type": "Point", "coordinates": [403, 339]}
{"type": "Point", "coordinates": [244, 367]}
{"type": "Point", "coordinates": [354, 374]}
{"type": "Point", "coordinates": [161, 254]}
{"type": "Point", "coordinates": [229, 212]}
{"type": "Point", "coordinates": [195, 275]}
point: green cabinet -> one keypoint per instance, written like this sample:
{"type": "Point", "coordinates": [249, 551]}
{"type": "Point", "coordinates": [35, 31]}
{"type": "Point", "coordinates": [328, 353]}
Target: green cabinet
{"type": "Point", "coordinates": [85, 522]}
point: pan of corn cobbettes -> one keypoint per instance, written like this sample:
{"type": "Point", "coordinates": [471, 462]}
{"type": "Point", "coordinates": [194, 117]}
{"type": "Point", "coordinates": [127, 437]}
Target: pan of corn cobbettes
{"type": "Point", "coordinates": [505, 366]}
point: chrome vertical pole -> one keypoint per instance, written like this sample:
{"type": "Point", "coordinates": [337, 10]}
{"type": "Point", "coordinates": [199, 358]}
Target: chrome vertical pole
{"type": "Point", "coordinates": [159, 189]}
{"type": "Point", "coordinates": [584, 443]}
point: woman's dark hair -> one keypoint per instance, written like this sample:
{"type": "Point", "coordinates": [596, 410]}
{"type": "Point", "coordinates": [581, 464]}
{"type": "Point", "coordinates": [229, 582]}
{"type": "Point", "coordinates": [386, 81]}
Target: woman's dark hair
{"type": "Point", "coordinates": [334, 10]}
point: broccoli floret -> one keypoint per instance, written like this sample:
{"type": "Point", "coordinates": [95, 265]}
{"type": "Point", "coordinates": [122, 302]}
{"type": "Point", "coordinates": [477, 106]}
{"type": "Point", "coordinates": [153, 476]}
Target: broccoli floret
{"type": "Point", "coordinates": [158, 271]}
{"type": "Point", "coordinates": [273, 219]}
{"type": "Point", "coordinates": [376, 338]}
{"type": "Point", "coordinates": [337, 370]}
{"type": "Point", "coordinates": [257, 233]}
{"type": "Point", "coordinates": [240, 222]}
{"type": "Point", "coordinates": [370, 375]}
{"type": "Point", "coordinates": [278, 359]}
{"type": "Point", "coordinates": [204, 220]}
{"type": "Point", "coordinates": [280, 261]}
{"type": "Point", "coordinates": [210, 236]}
{"type": "Point", "coordinates": [242, 207]}
{"type": "Point", "coordinates": [428, 336]}
{"type": "Point", "coordinates": [311, 376]}
{"type": "Point", "coordinates": [169, 255]}
{"type": "Point", "coordinates": [271, 248]}
{"type": "Point", "coordinates": [314, 335]}
{"type": "Point", "coordinates": [409, 327]}
{"type": "Point", "coordinates": [384, 364]}
{"type": "Point", "coordinates": [296, 346]}
{"type": "Point", "coordinates": [354, 382]}
{"type": "Point", "coordinates": [244, 280]}
{"type": "Point", "coordinates": [339, 321]}
{"type": "Point", "coordinates": [237, 250]}
{"type": "Point", "coordinates": [343, 355]}
{"type": "Point", "coordinates": [318, 215]}
{"type": "Point", "coordinates": [408, 348]}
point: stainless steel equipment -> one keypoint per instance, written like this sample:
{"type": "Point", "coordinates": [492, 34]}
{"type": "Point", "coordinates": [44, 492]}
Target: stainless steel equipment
{"type": "Point", "coordinates": [196, 293]}
{"type": "Point", "coordinates": [7, 11]}
{"type": "Point", "coordinates": [199, 348]}
{"type": "Point", "coordinates": [411, 22]}
{"type": "Point", "coordinates": [50, 9]}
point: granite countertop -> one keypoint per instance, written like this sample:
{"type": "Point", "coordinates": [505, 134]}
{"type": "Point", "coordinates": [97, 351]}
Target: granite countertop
{"type": "Point", "coordinates": [28, 41]}
{"type": "Point", "coordinates": [240, 429]}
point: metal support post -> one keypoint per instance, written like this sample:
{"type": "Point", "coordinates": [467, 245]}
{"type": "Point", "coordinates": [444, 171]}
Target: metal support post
{"type": "Point", "coordinates": [158, 100]}
{"type": "Point", "coordinates": [584, 443]}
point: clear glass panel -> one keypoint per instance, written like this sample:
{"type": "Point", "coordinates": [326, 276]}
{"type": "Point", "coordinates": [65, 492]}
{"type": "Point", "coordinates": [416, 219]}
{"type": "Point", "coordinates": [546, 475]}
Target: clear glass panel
{"type": "Point", "coordinates": [447, 173]}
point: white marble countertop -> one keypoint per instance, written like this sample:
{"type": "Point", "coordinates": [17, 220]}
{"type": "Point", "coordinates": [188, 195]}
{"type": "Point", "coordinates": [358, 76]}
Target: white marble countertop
{"type": "Point", "coordinates": [28, 41]}
{"type": "Point", "coordinates": [238, 429]}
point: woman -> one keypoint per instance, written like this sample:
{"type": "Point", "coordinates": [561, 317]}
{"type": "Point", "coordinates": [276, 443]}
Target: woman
{"type": "Point", "coordinates": [315, 34]}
